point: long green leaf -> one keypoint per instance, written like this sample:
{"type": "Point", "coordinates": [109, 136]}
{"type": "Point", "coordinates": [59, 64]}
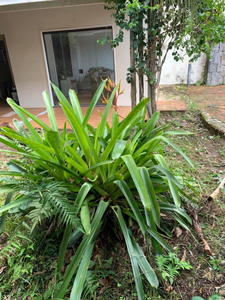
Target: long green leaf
{"type": "Point", "coordinates": [76, 105]}
{"type": "Point", "coordinates": [84, 190]}
{"type": "Point", "coordinates": [133, 205]}
{"type": "Point", "coordinates": [145, 266]}
{"type": "Point", "coordinates": [85, 217]}
{"type": "Point", "coordinates": [10, 173]}
{"type": "Point", "coordinates": [122, 127]}
{"type": "Point", "coordinates": [107, 162]}
{"type": "Point", "coordinates": [118, 149]}
{"type": "Point", "coordinates": [76, 156]}
{"type": "Point", "coordinates": [39, 148]}
{"type": "Point", "coordinates": [62, 249]}
{"type": "Point", "coordinates": [115, 121]}
{"type": "Point", "coordinates": [153, 216]}
{"type": "Point", "coordinates": [15, 167]}
{"type": "Point", "coordinates": [140, 185]}
{"type": "Point", "coordinates": [94, 101]}
{"type": "Point", "coordinates": [175, 194]}
{"type": "Point", "coordinates": [172, 208]}
{"type": "Point", "coordinates": [60, 96]}
{"type": "Point", "coordinates": [168, 175]}
{"type": "Point", "coordinates": [161, 241]}
{"type": "Point", "coordinates": [74, 164]}
{"type": "Point", "coordinates": [173, 188]}
{"type": "Point", "coordinates": [4, 140]}
{"type": "Point", "coordinates": [50, 110]}
{"type": "Point", "coordinates": [81, 135]}
{"type": "Point", "coordinates": [96, 225]}
{"type": "Point", "coordinates": [100, 131]}
{"type": "Point", "coordinates": [54, 140]}
{"type": "Point", "coordinates": [81, 273]}
{"type": "Point", "coordinates": [150, 146]}
{"type": "Point", "coordinates": [177, 132]}
{"type": "Point", "coordinates": [131, 251]}
{"type": "Point", "coordinates": [154, 204]}
{"type": "Point", "coordinates": [22, 113]}
{"type": "Point", "coordinates": [15, 202]}
{"type": "Point", "coordinates": [150, 125]}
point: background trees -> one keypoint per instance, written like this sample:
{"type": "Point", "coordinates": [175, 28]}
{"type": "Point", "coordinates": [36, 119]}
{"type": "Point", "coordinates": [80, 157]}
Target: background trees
{"type": "Point", "coordinates": [185, 27]}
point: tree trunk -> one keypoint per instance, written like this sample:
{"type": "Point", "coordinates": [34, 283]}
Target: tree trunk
{"type": "Point", "coordinates": [141, 85]}
{"type": "Point", "coordinates": [133, 93]}
{"type": "Point", "coordinates": [141, 58]}
{"type": "Point", "coordinates": [152, 58]}
{"type": "Point", "coordinates": [151, 107]}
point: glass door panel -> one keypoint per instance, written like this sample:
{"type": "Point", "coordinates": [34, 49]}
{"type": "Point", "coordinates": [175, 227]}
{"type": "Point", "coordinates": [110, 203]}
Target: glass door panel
{"type": "Point", "coordinates": [76, 61]}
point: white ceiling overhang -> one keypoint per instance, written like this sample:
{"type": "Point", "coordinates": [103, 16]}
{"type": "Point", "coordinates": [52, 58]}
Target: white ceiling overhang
{"type": "Point", "coordinates": [16, 5]}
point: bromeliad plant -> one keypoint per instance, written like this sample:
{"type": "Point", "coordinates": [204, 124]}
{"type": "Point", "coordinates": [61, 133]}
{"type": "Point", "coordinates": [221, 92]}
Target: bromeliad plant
{"type": "Point", "coordinates": [86, 176]}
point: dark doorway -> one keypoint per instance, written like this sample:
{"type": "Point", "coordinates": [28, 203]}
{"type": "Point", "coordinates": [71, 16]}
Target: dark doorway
{"type": "Point", "coordinates": [6, 81]}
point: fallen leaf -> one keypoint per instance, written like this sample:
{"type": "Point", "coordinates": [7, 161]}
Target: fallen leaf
{"type": "Point", "coordinates": [169, 288]}
{"type": "Point", "coordinates": [209, 276]}
{"type": "Point", "coordinates": [2, 269]}
{"type": "Point", "coordinates": [178, 232]}
{"type": "Point", "coordinates": [222, 292]}
{"type": "Point", "coordinates": [184, 255]}
{"type": "Point", "coordinates": [105, 282]}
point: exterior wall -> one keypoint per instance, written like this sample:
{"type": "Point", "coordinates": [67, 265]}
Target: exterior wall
{"type": "Point", "coordinates": [23, 34]}
{"type": "Point", "coordinates": [216, 66]}
{"type": "Point", "coordinates": [176, 72]}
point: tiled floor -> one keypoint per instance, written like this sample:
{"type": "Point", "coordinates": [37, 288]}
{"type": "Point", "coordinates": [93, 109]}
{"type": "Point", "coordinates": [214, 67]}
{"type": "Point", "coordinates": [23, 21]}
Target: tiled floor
{"type": "Point", "coordinates": [210, 99]}
{"type": "Point", "coordinates": [6, 113]}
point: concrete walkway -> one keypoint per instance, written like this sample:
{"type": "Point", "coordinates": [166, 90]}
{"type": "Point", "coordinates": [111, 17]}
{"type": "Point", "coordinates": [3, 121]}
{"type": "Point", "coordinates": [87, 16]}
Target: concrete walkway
{"type": "Point", "coordinates": [211, 103]}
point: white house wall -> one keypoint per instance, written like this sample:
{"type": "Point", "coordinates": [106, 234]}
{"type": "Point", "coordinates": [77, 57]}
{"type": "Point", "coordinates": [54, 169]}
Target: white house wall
{"type": "Point", "coordinates": [23, 34]}
{"type": "Point", "coordinates": [176, 72]}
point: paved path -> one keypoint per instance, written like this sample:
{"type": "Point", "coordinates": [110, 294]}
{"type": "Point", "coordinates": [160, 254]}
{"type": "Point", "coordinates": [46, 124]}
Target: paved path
{"type": "Point", "coordinates": [210, 100]}
{"type": "Point", "coordinates": [7, 114]}
{"type": "Point", "coordinates": [211, 103]}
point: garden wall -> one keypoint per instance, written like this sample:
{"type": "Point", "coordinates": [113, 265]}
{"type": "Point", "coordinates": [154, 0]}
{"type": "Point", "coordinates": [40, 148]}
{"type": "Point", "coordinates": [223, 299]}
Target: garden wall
{"type": "Point", "coordinates": [216, 66]}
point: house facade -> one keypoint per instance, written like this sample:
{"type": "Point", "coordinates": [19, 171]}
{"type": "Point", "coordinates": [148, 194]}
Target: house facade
{"type": "Point", "coordinates": [56, 40]}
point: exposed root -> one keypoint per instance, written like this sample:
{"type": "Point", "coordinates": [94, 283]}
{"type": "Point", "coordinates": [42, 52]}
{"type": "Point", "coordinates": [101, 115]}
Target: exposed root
{"type": "Point", "coordinates": [200, 233]}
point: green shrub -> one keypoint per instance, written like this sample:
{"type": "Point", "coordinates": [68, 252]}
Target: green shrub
{"type": "Point", "coordinates": [88, 175]}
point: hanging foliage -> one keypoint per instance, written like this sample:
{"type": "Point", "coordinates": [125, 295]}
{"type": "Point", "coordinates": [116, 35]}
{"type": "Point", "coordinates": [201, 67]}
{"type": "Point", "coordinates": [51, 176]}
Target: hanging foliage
{"type": "Point", "coordinates": [184, 27]}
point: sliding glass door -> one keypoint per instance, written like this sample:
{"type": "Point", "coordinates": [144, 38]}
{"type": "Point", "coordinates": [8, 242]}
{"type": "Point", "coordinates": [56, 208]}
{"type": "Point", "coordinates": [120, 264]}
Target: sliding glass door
{"type": "Point", "coordinates": [76, 61]}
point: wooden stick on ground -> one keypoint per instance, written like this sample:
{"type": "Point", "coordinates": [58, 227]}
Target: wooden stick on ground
{"type": "Point", "coordinates": [218, 191]}
{"type": "Point", "coordinates": [200, 233]}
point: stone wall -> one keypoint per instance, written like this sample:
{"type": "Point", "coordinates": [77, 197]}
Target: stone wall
{"type": "Point", "coordinates": [216, 66]}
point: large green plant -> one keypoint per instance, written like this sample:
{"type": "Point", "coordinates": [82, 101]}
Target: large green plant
{"type": "Point", "coordinates": [88, 175]}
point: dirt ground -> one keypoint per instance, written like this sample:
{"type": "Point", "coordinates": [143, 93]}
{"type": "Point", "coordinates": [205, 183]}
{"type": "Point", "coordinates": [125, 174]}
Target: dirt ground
{"type": "Point", "coordinates": [207, 152]}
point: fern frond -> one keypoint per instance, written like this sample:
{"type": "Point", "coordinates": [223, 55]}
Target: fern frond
{"type": "Point", "coordinates": [66, 211]}
{"type": "Point", "coordinates": [40, 212]}
{"type": "Point", "coordinates": [55, 195]}
{"type": "Point", "coordinates": [90, 286]}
